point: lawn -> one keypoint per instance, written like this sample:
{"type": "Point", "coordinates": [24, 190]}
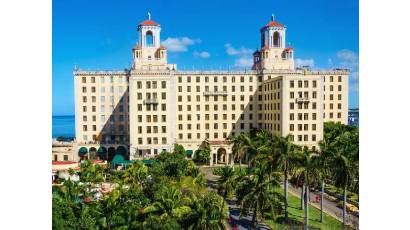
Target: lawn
{"type": "Point", "coordinates": [297, 218]}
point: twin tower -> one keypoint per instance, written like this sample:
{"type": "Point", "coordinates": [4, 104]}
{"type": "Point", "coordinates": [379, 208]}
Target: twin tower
{"type": "Point", "coordinates": [149, 54]}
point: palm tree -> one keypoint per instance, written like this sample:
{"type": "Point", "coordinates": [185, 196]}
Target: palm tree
{"type": "Point", "coordinates": [169, 203]}
{"type": "Point", "coordinates": [256, 192]}
{"type": "Point", "coordinates": [344, 160]}
{"type": "Point", "coordinates": [323, 161]}
{"type": "Point", "coordinates": [243, 146]}
{"type": "Point", "coordinates": [226, 181]}
{"type": "Point", "coordinates": [285, 158]}
{"type": "Point", "coordinates": [343, 172]}
{"type": "Point", "coordinates": [308, 167]}
{"type": "Point", "coordinates": [207, 213]}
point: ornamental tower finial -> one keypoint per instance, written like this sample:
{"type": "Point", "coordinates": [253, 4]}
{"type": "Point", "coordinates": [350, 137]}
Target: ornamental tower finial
{"type": "Point", "coordinates": [272, 17]}
{"type": "Point", "coordinates": [149, 16]}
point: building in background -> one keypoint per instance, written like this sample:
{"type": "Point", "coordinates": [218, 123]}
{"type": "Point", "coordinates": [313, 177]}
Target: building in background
{"type": "Point", "coordinates": [148, 108]}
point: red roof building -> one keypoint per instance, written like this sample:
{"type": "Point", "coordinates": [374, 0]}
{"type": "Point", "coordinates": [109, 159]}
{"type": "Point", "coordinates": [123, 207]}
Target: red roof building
{"type": "Point", "coordinates": [149, 22]}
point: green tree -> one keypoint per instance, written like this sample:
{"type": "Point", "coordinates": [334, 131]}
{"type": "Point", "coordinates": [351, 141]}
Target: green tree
{"type": "Point", "coordinates": [203, 154]}
{"type": "Point", "coordinates": [256, 192]}
{"type": "Point", "coordinates": [169, 202]}
{"type": "Point", "coordinates": [308, 168]}
{"type": "Point", "coordinates": [226, 180]}
{"type": "Point", "coordinates": [285, 159]}
{"type": "Point", "coordinates": [207, 213]}
{"type": "Point", "coordinates": [179, 149]}
{"type": "Point", "coordinates": [136, 174]}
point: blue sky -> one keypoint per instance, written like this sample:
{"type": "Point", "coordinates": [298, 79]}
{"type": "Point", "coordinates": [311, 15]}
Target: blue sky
{"type": "Point", "coordinates": [212, 34]}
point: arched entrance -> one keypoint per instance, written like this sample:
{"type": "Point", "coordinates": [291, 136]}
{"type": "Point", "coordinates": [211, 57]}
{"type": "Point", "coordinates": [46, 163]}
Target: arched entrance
{"type": "Point", "coordinates": [123, 151]}
{"type": "Point", "coordinates": [111, 153]}
{"type": "Point", "coordinates": [82, 153]}
{"type": "Point", "coordinates": [102, 153]}
{"type": "Point", "coordinates": [93, 153]}
{"type": "Point", "coordinates": [221, 156]}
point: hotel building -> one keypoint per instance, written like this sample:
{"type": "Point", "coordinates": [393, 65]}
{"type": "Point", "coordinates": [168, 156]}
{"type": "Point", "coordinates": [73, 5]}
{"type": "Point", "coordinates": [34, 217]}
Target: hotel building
{"type": "Point", "coordinates": [141, 111]}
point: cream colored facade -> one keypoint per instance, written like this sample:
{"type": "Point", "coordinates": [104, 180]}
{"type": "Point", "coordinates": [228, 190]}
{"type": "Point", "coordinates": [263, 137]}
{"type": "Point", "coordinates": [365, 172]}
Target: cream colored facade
{"type": "Point", "coordinates": [152, 106]}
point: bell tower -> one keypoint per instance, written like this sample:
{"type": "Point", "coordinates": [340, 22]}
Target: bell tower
{"type": "Point", "coordinates": [273, 53]}
{"type": "Point", "coordinates": [148, 52]}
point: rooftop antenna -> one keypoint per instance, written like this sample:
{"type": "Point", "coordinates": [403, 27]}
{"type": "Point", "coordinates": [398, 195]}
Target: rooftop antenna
{"type": "Point", "coordinates": [272, 17]}
{"type": "Point", "coordinates": [149, 16]}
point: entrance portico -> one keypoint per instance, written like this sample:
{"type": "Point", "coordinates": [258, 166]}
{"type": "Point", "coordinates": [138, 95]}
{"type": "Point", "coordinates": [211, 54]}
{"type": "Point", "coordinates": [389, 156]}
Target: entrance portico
{"type": "Point", "coordinates": [221, 153]}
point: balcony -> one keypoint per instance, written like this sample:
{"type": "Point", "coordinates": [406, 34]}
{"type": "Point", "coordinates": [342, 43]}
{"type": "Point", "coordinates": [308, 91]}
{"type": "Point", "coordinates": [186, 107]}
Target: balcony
{"type": "Point", "coordinates": [150, 101]}
{"type": "Point", "coordinates": [215, 93]}
{"type": "Point", "coordinates": [302, 100]}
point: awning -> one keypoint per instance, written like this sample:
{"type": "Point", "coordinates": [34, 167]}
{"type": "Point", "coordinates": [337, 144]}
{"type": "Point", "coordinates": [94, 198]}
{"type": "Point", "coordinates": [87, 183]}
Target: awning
{"type": "Point", "coordinates": [83, 150]}
{"type": "Point", "coordinates": [189, 152]}
{"type": "Point", "coordinates": [119, 159]}
{"type": "Point", "coordinates": [102, 151]}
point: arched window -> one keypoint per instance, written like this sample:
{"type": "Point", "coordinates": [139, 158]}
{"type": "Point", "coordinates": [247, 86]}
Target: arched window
{"type": "Point", "coordinates": [149, 38]}
{"type": "Point", "coordinates": [276, 39]}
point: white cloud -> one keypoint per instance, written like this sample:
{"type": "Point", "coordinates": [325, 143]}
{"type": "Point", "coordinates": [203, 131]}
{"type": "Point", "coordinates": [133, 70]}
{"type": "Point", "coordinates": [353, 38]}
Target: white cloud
{"type": "Point", "coordinates": [244, 62]}
{"type": "Point", "coordinates": [202, 54]}
{"type": "Point", "coordinates": [347, 55]}
{"type": "Point", "coordinates": [304, 62]}
{"type": "Point", "coordinates": [179, 44]}
{"type": "Point", "coordinates": [240, 52]}
{"type": "Point", "coordinates": [244, 55]}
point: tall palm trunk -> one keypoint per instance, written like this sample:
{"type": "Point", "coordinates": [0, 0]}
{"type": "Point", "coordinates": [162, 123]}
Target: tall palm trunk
{"type": "Point", "coordinates": [344, 205]}
{"type": "Point", "coordinates": [307, 208]}
{"type": "Point", "coordinates": [286, 194]}
{"type": "Point", "coordinates": [321, 200]}
{"type": "Point", "coordinates": [302, 197]}
{"type": "Point", "coordinates": [254, 216]}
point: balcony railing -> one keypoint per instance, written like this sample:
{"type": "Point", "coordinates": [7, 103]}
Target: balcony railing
{"type": "Point", "coordinates": [215, 93]}
{"type": "Point", "coordinates": [302, 100]}
{"type": "Point", "coordinates": [151, 101]}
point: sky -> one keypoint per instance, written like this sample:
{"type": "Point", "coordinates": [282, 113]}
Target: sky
{"type": "Point", "coordinates": [209, 35]}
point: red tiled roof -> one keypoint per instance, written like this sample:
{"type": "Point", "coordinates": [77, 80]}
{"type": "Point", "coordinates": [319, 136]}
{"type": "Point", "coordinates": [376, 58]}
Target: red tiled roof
{"type": "Point", "coordinates": [162, 48]}
{"type": "Point", "coordinates": [290, 48]}
{"type": "Point", "coordinates": [148, 22]}
{"type": "Point", "coordinates": [274, 24]}
{"type": "Point", "coordinates": [136, 47]}
{"type": "Point", "coordinates": [265, 48]}
{"type": "Point", "coordinates": [63, 162]}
